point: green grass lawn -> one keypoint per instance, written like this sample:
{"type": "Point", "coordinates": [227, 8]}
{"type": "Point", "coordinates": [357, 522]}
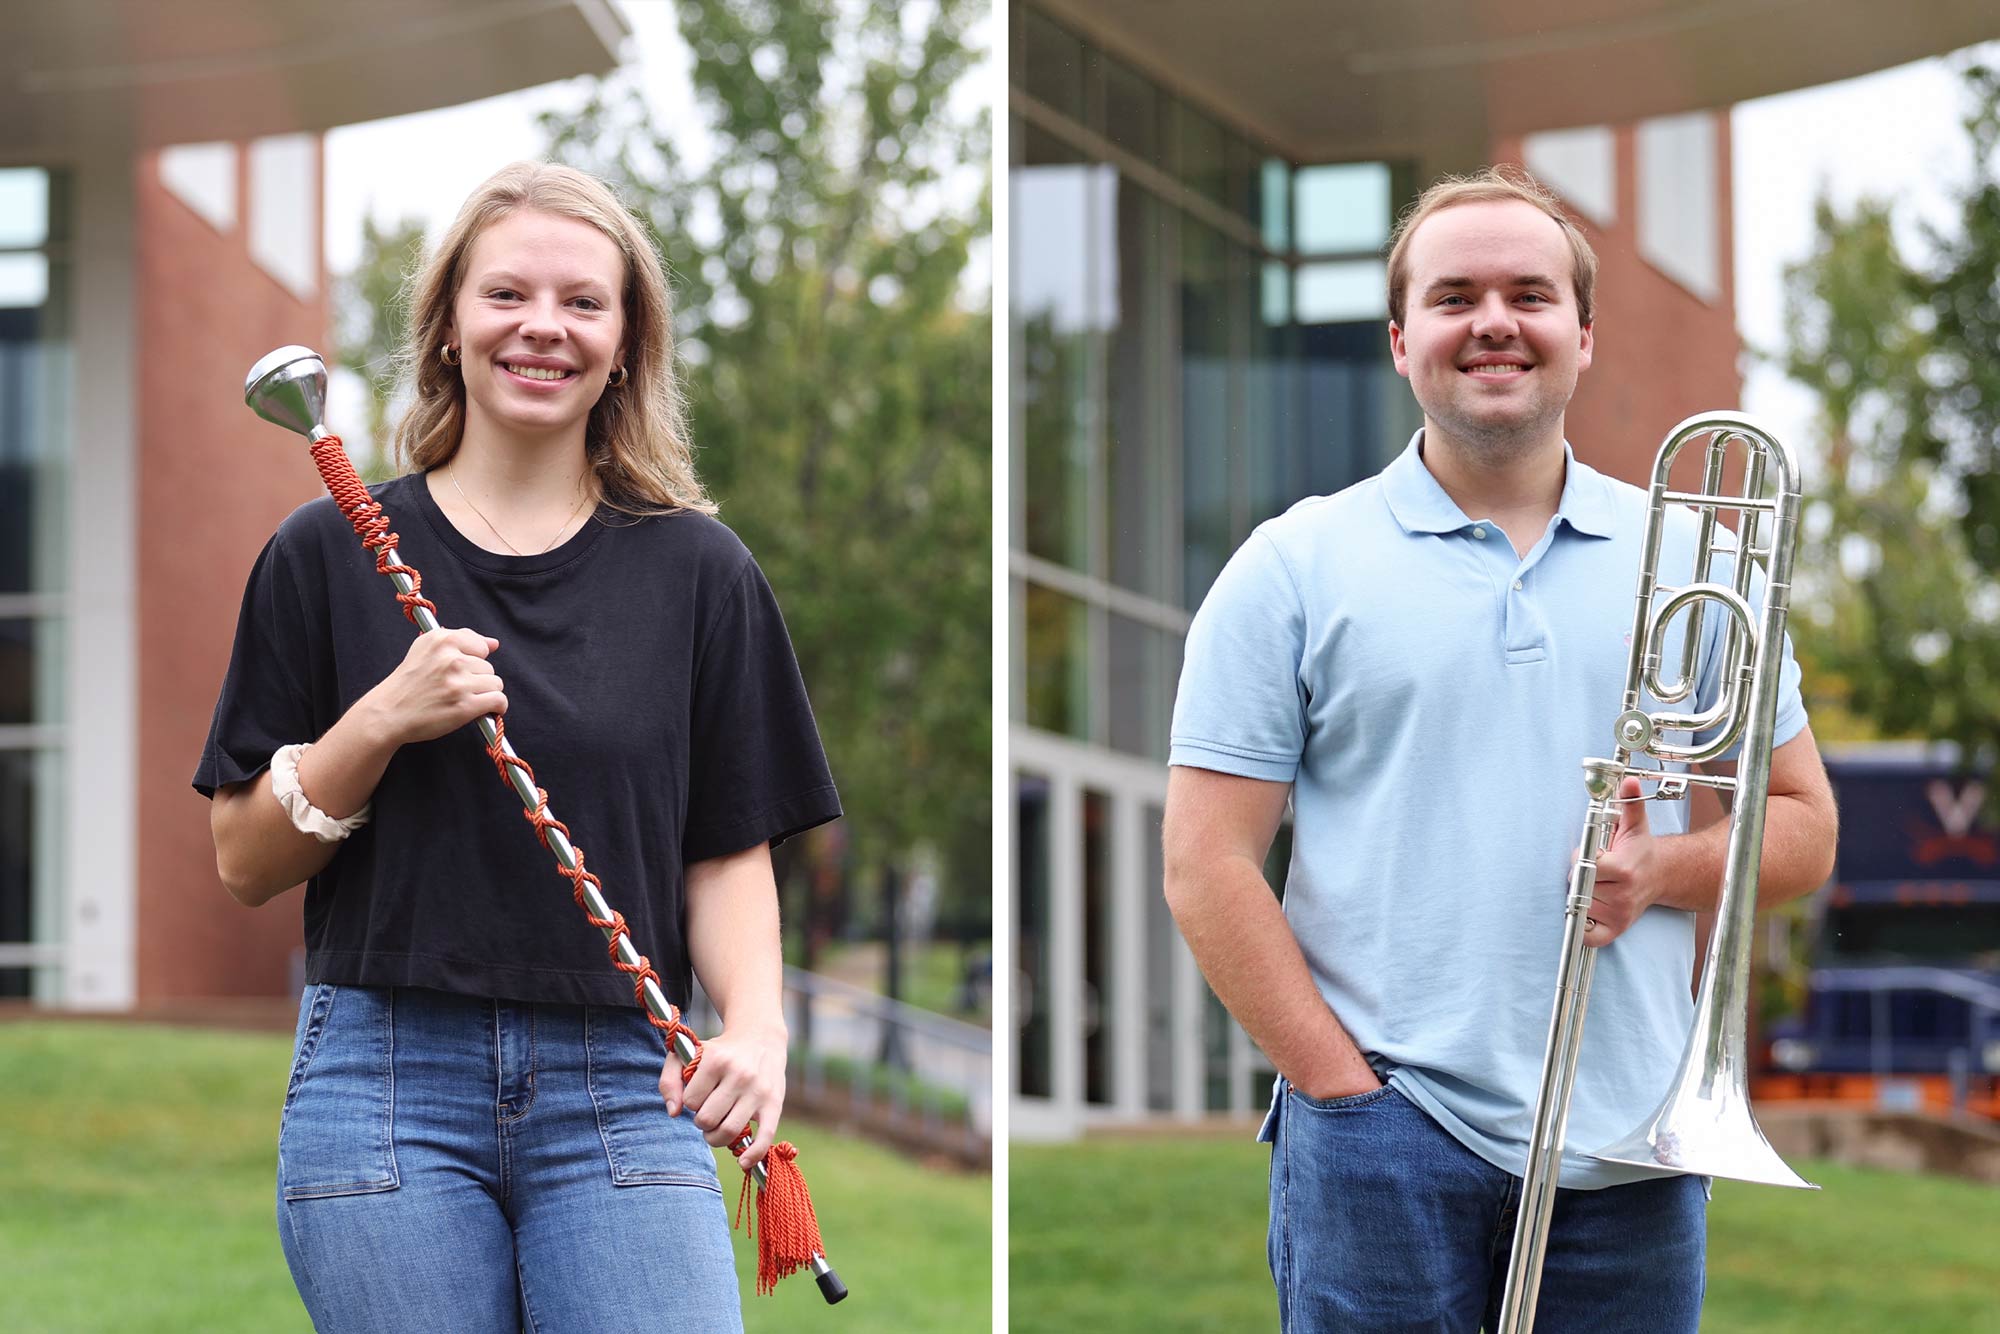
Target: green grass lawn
{"type": "Point", "coordinates": [1161, 1235]}
{"type": "Point", "coordinates": [137, 1174]}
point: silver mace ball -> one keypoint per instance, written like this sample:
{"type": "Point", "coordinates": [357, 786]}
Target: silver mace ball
{"type": "Point", "coordinates": [288, 388]}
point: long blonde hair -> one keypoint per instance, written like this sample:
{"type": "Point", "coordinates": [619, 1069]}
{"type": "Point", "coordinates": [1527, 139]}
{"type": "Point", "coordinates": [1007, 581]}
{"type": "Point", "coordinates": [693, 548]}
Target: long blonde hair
{"type": "Point", "coordinates": [636, 441]}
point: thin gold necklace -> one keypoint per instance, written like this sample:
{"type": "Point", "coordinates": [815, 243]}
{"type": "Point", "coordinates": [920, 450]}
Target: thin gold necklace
{"type": "Point", "coordinates": [502, 536]}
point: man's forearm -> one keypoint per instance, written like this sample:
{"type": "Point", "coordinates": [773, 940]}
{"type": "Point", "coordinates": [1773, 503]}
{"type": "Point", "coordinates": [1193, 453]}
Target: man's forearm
{"type": "Point", "coordinates": [1246, 950]}
{"type": "Point", "coordinates": [1796, 856]}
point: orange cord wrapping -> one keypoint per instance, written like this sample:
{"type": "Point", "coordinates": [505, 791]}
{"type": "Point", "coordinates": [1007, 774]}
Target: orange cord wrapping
{"type": "Point", "coordinates": [786, 1228]}
{"type": "Point", "coordinates": [362, 511]}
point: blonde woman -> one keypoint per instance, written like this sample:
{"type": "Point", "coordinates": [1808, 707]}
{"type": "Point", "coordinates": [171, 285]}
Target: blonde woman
{"type": "Point", "coordinates": [473, 1135]}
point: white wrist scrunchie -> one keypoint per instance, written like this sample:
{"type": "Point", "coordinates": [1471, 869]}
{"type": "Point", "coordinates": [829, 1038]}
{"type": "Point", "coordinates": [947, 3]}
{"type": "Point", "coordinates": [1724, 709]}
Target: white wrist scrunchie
{"type": "Point", "coordinates": [308, 818]}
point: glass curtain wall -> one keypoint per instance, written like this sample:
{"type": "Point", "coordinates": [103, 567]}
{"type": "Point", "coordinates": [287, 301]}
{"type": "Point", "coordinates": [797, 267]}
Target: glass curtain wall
{"type": "Point", "coordinates": [1198, 343]}
{"type": "Point", "coordinates": [35, 343]}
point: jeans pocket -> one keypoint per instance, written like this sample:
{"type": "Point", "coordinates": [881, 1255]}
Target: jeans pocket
{"type": "Point", "coordinates": [314, 1004]}
{"type": "Point", "coordinates": [643, 1146]}
{"type": "Point", "coordinates": [1348, 1103]}
{"type": "Point", "coordinates": [337, 1133]}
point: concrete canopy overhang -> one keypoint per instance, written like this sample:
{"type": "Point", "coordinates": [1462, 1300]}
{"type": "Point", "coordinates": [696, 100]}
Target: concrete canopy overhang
{"type": "Point", "coordinates": [81, 75]}
{"type": "Point", "coordinates": [1323, 81]}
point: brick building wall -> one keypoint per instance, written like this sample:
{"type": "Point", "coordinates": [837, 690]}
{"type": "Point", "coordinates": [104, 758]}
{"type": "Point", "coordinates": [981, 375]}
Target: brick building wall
{"type": "Point", "coordinates": [214, 482]}
{"type": "Point", "coordinates": [1662, 353]}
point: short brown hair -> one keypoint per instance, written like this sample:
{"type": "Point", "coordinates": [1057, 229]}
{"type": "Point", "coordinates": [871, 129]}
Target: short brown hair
{"type": "Point", "coordinates": [1493, 184]}
{"type": "Point", "coordinates": [636, 439]}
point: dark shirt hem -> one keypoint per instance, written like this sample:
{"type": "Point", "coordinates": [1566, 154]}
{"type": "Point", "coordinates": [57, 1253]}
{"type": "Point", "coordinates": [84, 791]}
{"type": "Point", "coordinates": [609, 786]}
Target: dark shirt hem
{"type": "Point", "coordinates": [483, 977]}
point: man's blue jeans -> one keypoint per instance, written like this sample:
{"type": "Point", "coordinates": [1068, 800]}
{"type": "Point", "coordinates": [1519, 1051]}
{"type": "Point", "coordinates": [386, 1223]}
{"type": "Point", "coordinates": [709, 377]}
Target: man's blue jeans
{"type": "Point", "coordinates": [1382, 1222]}
{"type": "Point", "coordinates": [447, 1163]}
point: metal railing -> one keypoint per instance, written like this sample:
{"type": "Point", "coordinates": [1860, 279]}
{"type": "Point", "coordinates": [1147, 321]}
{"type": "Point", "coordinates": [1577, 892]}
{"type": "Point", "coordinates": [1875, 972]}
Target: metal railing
{"type": "Point", "coordinates": [927, 1071]}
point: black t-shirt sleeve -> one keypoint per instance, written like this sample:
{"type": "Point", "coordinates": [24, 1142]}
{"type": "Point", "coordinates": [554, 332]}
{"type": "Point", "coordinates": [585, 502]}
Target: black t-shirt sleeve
{"type": "Point", "coordinates": [265, 701]}
{"type": "Point", "coordinates": [756, 772]}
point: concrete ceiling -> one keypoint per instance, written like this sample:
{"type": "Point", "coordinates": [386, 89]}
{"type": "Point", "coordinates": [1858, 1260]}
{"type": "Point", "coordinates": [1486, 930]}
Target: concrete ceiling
{"type": "Point", "coordinates": [1330, 79]}
{"type": "Point", "coordinates": [83, 74]}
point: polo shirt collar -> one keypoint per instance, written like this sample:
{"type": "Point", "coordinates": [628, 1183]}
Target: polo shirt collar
{"type": "Point", "coordinates": [1422, 506]}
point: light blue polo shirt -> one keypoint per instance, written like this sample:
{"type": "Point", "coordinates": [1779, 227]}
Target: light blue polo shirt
{"type": "Point", "coordinates": [1431, 695]}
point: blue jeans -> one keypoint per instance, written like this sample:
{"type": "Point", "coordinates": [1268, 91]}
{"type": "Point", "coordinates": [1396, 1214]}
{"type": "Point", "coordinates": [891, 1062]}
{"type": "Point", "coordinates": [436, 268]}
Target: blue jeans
{"type": "Point", "coordinates": [1381, 1222]}
{"type": "Point", "coordinates": [447, 1163]}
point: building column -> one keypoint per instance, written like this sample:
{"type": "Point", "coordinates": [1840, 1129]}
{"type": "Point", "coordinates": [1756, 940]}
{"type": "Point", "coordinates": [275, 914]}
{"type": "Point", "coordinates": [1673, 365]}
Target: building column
{"type": "Point", "coordinates": [100, 804]}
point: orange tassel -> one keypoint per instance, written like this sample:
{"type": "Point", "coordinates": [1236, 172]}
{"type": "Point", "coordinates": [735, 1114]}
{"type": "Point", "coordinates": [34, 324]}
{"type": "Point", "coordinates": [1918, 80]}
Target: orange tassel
{"type": "Point", "coordinates": [785, 1226]}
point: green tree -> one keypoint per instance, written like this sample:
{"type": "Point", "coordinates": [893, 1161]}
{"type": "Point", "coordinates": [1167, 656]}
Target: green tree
{"type": "Point", "coordinates": [1901, 609]}
{"type": "Point", "coordinates": [369, 320]}
{"type": "Point", "coordinates": [840, 385]}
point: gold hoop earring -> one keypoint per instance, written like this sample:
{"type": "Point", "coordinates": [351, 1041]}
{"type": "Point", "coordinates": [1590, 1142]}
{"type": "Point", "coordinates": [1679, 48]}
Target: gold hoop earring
{"type": "Point", "coordinates": [617, 378]}
{"type": "Point", "coordinates": [448, 354]}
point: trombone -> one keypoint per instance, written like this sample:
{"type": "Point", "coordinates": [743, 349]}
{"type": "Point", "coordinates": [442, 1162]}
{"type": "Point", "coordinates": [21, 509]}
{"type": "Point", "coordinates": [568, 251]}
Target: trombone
{"type": "Point", "coordinates": [1704, 1125]}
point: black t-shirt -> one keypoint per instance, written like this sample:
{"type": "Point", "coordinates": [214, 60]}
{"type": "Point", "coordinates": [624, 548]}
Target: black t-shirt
{"type": "Point", "coordinates": [649, 681]}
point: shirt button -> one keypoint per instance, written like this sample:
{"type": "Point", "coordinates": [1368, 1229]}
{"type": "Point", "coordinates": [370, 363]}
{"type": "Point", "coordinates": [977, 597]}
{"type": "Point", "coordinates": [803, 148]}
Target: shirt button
{"type": "Point", "coordinates": [1479, 532]}
{"type": "Point", "coordinates": [1517, 585]}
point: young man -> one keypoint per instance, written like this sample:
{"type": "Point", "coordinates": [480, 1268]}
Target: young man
{"type": "Point", "coordinates": [1420, 663]}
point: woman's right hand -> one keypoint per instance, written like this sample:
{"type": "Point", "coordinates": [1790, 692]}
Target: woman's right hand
{"type": "Point", "coordinates": [443, 683]}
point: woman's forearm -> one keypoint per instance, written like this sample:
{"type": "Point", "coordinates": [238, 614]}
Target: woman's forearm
{"type": "Point", "coordinates": [443, 683]}
{"type": "Point", "coordinates": [259, 853]}
{"type": "Point", "coordinates": [733, 940]}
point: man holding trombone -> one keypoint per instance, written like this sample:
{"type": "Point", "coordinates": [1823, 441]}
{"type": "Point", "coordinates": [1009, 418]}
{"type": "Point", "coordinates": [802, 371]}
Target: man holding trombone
{"type": "Point", "coordinates": [1418, 663]}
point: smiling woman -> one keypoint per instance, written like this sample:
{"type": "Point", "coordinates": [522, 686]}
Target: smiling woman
{"type": "Point", "coordinates": [539, 325]}
{"type": "Point", "coordinates": [648, 671]}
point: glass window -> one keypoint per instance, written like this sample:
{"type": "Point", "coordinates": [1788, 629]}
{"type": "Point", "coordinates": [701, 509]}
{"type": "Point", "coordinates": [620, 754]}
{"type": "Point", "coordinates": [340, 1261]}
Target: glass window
{"type": "Point", "coordinates": [1275, 433]}
{"type": "Point", "coordinates": [35, 395]}
{"type": "Point", "coordinates": [1031, 941]}
{"type": "Point", "coordinates": [27, 849]}
{"type": "Point", "coordinates": [1057, 662]}
{"type": "Point", "coordinates": [1208, 411]}
{"type": "Point", "coordinates": [1142, 669]}
{"type": "Point", "coordinates": [1342, 290]}
{"type": "Point", "coordinates": [1131, 117]}
{"type": "Point", "coordinates": [1201, 154]}
{"type": "Point", "coordinates": [17, 862]}
{"type": "Point", "coordinates": [1680, 226]}
{"type": "Point", "coordinates": [1342, 207]}
{"type": "Point", "coordinates": [203, 176]}
{"type": "Point", "coordinates": [28, 647]}
{"type": "Point", "coordinates": [1579, 164]}
{"type": "Point", "coordinates": [1356, 414]}
{"type": "Point", "coordinates": [284, 210]}
{"type": "Point", "coordinates": [1276, 294]}
{"type": "Point", "coordinates": [1245, 177]}
{"type": "Point", "coordinates": [1048, 64]}
{"type": "Point", "coordinates": [1064, 280]}
{"type": "Point", "coordinates": [1277, 209]}
{"type": "Point", "coordinates": [1137, 520]}
{"type": "Point", "coordinates": [24, 281]}
{"type": "Point", "coordinates": [24, 207]}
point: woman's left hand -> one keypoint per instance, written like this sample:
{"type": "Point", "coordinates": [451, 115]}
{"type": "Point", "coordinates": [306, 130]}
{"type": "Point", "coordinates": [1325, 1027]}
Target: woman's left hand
{"type": "Point", "coordinates": [740, 1082]}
